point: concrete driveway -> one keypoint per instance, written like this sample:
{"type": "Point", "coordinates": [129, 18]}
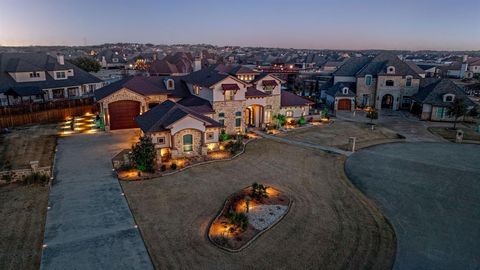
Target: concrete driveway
{"type": "Point", "coordinates": [89, 225]}
{"type": "Point", "coordinates": [430, 193]}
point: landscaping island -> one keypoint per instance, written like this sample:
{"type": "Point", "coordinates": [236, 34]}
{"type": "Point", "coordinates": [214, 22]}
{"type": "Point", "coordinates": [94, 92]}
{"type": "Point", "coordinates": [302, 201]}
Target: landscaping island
{"type": "Point", "coordinates": [246, 215]}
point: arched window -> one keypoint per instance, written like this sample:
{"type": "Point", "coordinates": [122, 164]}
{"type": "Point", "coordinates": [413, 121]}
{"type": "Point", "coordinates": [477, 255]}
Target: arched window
{"type": "Point", "coordinates": [391, 70]}
{"type": "Point", "coordinates": [187, 143]}
{"type": "Point", "coordinates": [345, 90]}
{"type": "Point", "coordinates": [408, 81]}
{"type": "Point", "coordinates": [170, 84]}
{"type": "Point", "coordinates": [389, 83]}
{"type": "Point", "coordinates": [368, 80]}
{"type": "Point", "coordinates": [448, 97]}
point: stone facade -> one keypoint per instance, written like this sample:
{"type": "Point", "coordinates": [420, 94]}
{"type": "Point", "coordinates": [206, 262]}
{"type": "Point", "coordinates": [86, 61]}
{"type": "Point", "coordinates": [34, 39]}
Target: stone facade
{"type": "Point", "coordinates": [197, 136]}
{"type": "Point", "coordinates": [378, 89]}
{"type": "Point", "coordinates": [229, 108]}
{"type": "Point", "coordinates": [18, 175]}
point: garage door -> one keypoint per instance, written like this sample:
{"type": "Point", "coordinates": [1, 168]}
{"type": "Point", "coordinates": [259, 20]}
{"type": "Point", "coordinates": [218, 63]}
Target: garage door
{"type": "Point", "coordinates": [344, 104]}
{"type": "Point", "coordinates": [122, 114]}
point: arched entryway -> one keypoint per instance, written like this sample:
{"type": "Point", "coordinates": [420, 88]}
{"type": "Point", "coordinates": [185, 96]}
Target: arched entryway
{"type": "Point", "coordinates": [254, 116]}
{"type": "Point", "coordinates": [387, 101]}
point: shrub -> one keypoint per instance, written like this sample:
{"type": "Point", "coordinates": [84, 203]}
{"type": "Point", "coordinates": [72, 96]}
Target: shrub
{"type": "Point", "coordinates": [259, 191]}
{"type": "Point", "coordinates": [301, 121]}
{"type": "Point", "coordinates": [163, 168]}
{"type": "Point", "coordinates": [35, 178]}
{"type": "Point", "coordinates": [224, 136]}
{"type": "Point", "coordinates": [7, 177]}
{"type": "Point", "coordinates": [143, 154]}
{"type": "Point", "coordinates": [173, 166]}
{"type": "Point", "coordinates": [234, 147]}
{"type": "Point", "coordinates": [372, 114]}
{"type": "Point", "coordinates": [239, 220]}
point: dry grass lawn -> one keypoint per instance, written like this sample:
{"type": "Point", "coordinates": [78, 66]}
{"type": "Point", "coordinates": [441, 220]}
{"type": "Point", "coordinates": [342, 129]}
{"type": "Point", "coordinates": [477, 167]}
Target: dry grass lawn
{"type": "Point", "coordinates": [22, 211]}
{"type": "Point", "coordinates": [28, 143]}
{"type": "Point", "coordinates": [331, 225]}
{"type": "Point", "coordinates": [469, 133]}
{"type": "Point", "coordinates": [338, 133]}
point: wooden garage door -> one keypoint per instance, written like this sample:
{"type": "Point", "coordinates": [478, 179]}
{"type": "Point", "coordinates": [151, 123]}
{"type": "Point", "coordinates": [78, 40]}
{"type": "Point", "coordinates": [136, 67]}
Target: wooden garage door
{"type": "Point", "coordinates": [344, 104]}
{"type": "Point", "coordinates": [122, 114]}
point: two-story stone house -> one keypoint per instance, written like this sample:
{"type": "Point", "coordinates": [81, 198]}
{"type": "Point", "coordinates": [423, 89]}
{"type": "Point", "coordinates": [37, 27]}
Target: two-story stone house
{"type": "Point", "coordinates": [197, 106]}
{"type": "Point", "coordinates": [383, 81]}
{"type": "Point", "coordinates": [39, 77]}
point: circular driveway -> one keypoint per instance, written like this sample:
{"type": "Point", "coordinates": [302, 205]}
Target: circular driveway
{"type": "Point", "coordinates": [430, 192]}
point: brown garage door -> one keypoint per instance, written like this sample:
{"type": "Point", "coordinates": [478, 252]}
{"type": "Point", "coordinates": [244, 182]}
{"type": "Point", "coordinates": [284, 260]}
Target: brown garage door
{"type": "Point", "coordinates": [122, 114]}
{"type": "Point", "coordinates": [344, 104]}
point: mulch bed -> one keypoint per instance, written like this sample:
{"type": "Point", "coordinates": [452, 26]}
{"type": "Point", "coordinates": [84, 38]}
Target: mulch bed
{"type": "Point", "coordinates": [225, 235]}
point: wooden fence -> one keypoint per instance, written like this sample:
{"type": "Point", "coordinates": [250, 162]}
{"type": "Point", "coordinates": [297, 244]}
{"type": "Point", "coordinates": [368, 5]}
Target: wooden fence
{"type": "Point", "coordinates": [26, 108]}
{"type": "Point", "coordinates": [47, 116]}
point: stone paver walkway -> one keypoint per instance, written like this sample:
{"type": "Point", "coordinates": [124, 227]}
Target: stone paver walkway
{"type": "Point", "coordinates": [325, 148]}
{"type": "Point", "coordinates": [89, 224]}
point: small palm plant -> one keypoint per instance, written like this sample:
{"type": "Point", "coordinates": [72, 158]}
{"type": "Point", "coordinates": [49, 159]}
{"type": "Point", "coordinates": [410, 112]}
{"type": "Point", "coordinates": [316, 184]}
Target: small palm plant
{"type": "Point", "coordinates": [259, 191]}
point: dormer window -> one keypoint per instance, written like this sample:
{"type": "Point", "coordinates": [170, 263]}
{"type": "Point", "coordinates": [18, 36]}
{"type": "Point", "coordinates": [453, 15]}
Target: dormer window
{"type": "Point", "coordinates": [60, 74]}
{"type": "Point", "coordinates": [389, 83]}
{"type": "Point", "coordinates": [368, 80]}
{"type": "Point", "coordinates": [115, 60]}
{"type": "Point", "coordinates": [345, 90]}
{"type": "Point", "coordinates": [448, 97]}
{"type": "Point", "coordinates": [34, 74]}
{"type": "Point", "coordinates": [196, 89]}
{"type": "Point", "coordinates": [391, 70]}
{"type": "Point", "coordinates": [408, 81]}
{"type": "Point", "coordinates": [170, 84]}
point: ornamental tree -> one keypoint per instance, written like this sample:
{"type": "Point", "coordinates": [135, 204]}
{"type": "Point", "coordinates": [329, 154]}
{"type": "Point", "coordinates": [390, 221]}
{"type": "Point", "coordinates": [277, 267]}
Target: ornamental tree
{"type": "Point", "coordinates": [143, 154]}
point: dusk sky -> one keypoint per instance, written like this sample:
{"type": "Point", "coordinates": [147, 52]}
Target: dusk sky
{"type": "Point", "coordinates": [318, 24]}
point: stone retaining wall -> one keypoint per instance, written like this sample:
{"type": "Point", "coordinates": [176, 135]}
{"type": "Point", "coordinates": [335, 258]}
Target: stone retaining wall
{"type": "Point", "coordinates": [20, 174]}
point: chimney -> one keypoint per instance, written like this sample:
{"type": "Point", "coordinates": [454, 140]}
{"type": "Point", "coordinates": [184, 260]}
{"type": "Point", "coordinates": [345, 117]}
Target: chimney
{"type": "Point", "coordinates": [465, 58]}
{"type": "Point", "coordinates": [154, 56]}
{"type": "Point", "coordinates": [197, 64]}
{"type": "Point", "coordinates": [61, 59]}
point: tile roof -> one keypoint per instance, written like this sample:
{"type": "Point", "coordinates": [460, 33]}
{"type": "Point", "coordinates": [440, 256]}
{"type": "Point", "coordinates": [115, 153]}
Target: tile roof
{"type": "Point", "coordinates": [378, 66]}
{"type": "Point", "coordinates": [197, 104]}
{"type": "Point", "coordinates": [352, 66]}
{"type": "Point", "coordinates": [160, 117]}
{"type": "Point", "coordinates": [432, 91]}
{"type": "Point", "coordinates": [289, 99]}
{"type": "Point", "coordinates": [253, 92]}
{"type": "Point", "coordinates": [145, 86]}
{"type": "Point", "coordinates": [337, 89]}
{"type": "Point", "coordinates": [25, 91]}
{"type": "Point", "coordinates": [29, 62]}
{"type": "Point", "coordinates": [206, 77]}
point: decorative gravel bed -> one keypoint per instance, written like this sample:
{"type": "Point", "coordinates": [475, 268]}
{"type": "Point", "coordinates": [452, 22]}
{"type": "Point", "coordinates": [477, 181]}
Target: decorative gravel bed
{"type": "Point", "coordinates": [264, 216]}
{"type": "Point", "coordinates": [237, 225]}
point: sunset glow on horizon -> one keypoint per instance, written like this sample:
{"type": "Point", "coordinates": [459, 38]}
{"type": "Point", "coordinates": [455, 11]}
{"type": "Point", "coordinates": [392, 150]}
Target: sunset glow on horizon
{"type": "Point", "coordinates": [373, 24]}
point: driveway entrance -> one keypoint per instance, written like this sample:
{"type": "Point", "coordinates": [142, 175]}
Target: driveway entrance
{"type": "Point", "coordinates": [89, 224]}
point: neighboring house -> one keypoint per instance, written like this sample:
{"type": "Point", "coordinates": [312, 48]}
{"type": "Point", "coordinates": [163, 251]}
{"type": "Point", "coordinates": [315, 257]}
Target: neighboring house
{"type": "Point", "coordinates": [36, 77]}
{"type": "Point", "coordinates": [386, 82]}
{"type": "Point", "coordinates": [208, 96]}
{"type": "Point", "coordinates": [474, 65]}
{"type": "Point", "coordinates": [111, 59]}
{"type": "Point", "coordinates": [436, 95]}
{"type": "Point", "coordinates": [456, 69]}
{"type": "Point", "coordinates": [177, 64]}
{"type": "Point", "coordinates": [341, 96]}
